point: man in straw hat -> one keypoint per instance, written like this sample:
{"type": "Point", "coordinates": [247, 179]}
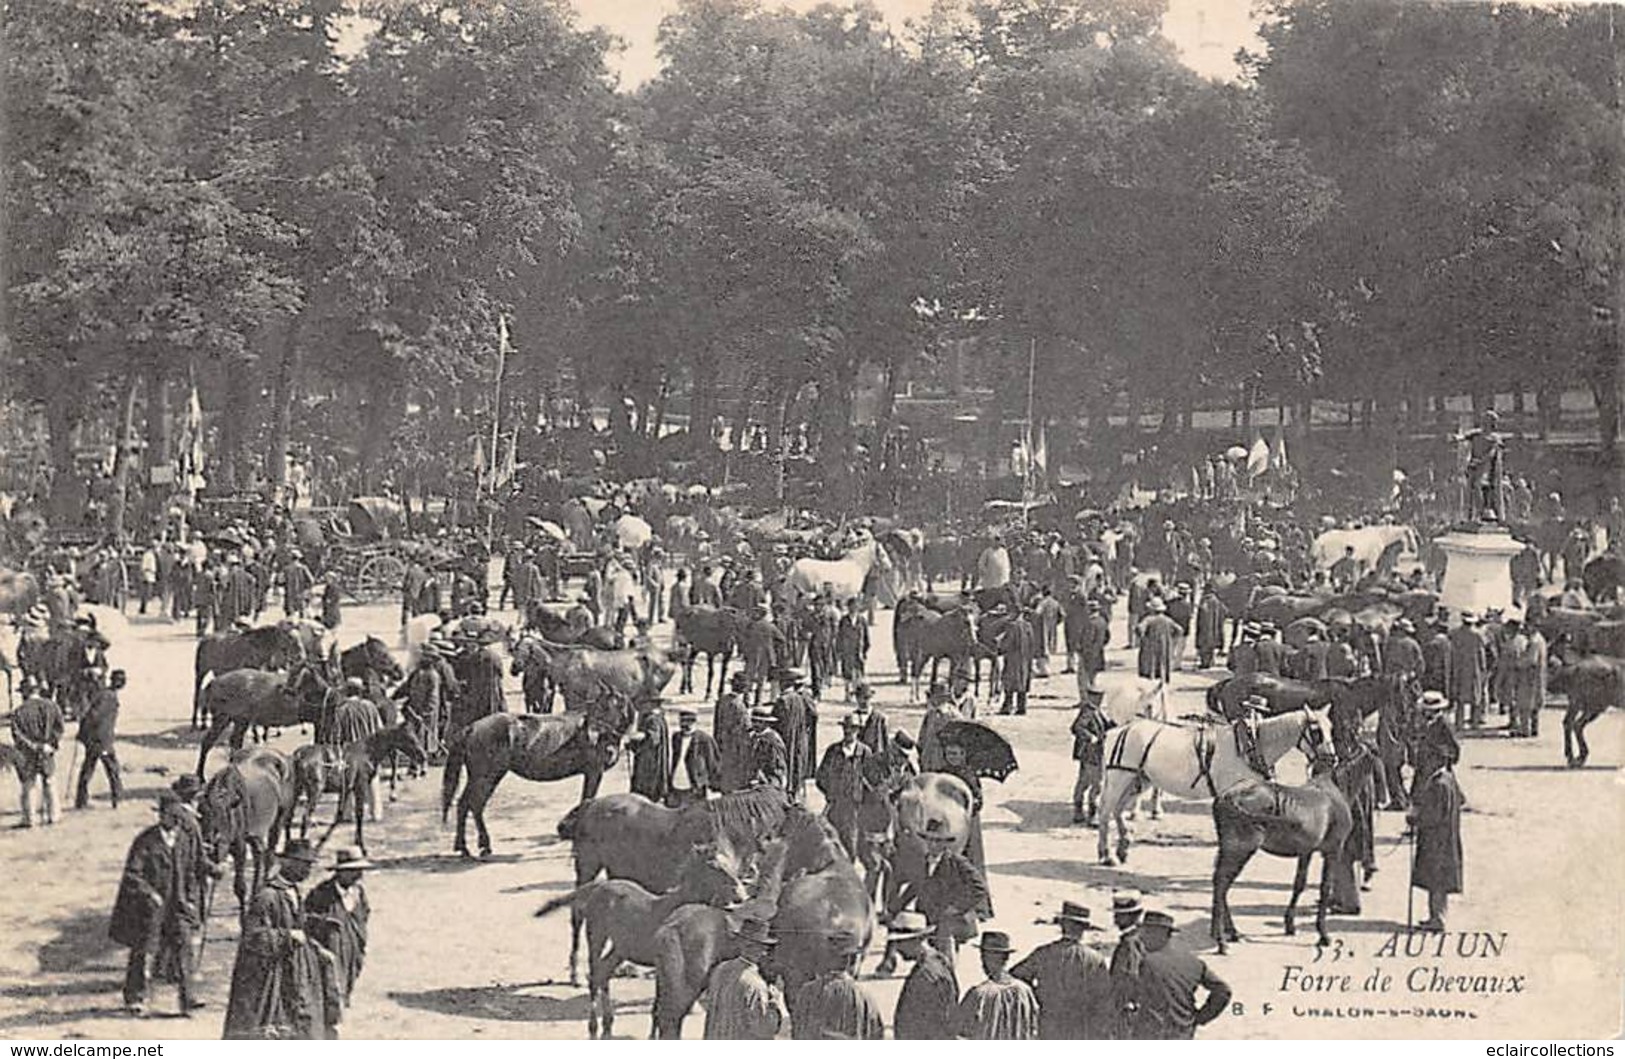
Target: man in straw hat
{"type": "Point", "coordinates": [833, 1006]}
{"type": "Point", "coordinates": [276, 982]}
{"type": "Point", "coordinates": [768, 756]}
{"type": "Point", "coordinates": [929, 1001]}
{"type": "Point", "coordinates": [1469, 671]}
{"type": "Point", "coordinates": [740, 1003]}
{"type": "Point", "coordinates": [1002, 1008]}
{"type": "Point", "coordinates": [338, 914]}
{"type": "Point", "coordinates": [1435, 817]}
{"type": "Point", "coordinates": [156, 912]}
{"type": "Point", "coordinates": [1164, 996]}
{"type": "Point", "coordinates": [1157, 634]}
{"type": "Point", "coordinates": [1071, 981]}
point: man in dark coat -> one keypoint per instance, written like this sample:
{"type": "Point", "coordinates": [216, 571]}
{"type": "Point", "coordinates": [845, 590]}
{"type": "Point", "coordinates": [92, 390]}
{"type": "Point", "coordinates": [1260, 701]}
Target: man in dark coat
{"type": "Point", "coordinates": [929, 1000]}
{"type": "Point", "coordinates": [1469, 671]}
{"type": "Point", "coordinates": [840, 779]}
{"type": "Point", "coordinates": [238, 592]}
{"type": "Point", "coordinates": [1210, 618]}
{"type": "Point", "coordinates": [277, 984]}
{"type": "Point", "coordinates": [338, 915]}
{"type": "Point", "coordinates": [1088, 734]}
{"type": "Point", "coordinates": [1182, 614]}
{"type": "Point", "coordinates": [1018, 647]}
{"type": "Point", "coordinates": [1096, 634]}
{"type": "Point", "coordinates": [1309, 661]}
{"type": "Point", "coordinates": [1157, 635]}
{"type": "Point", "coordinates": [1435, 815]}
{"type": "Point", "coordinates": [97, 727]}
{"type": "Point", "coordinates": [332, 594]}
{"type": "Point", "coordinates": [1164, 995]}
{"type": "Point", "coordinates": [951, 893]}
{"type": "Point", "coordinates": [852, 646]}
{"type": "Point", "coordinates": [874, 734]}
{"type": "Point", "coordinates": [157, 911]}
{"type": "Point", "coordinates": [770, 759]}
{"type": "Point", "coordinates": [730, 730]}
{"type": "Point", "coordinates": [696, 764]}
{"type": "Point", "coordinates": [1072, 982]}
{"type": "Point", "coordinates": [1001, 1008]}
{"type": "Point", "coordinates": [1269, 652]}
{"type": "Point", "coordinates": [798, 720]}
{"type": "Point", "coordinates": [1340, 660]}
{"type": "Point", "coordinates": [297, 581]}
{"type": "Point", "coordinates": [481, 683]}
{"type": "Point", "coordinates": [1075, 618]}
{"type": "Point", "coordinates": [1436, 659]}
{"type": "Point", "coordinates": [833, 1006]}
{"type": "Point", "coordinates": [650, 743]}
{"type": "Point", "coordinates": [1402, 655]}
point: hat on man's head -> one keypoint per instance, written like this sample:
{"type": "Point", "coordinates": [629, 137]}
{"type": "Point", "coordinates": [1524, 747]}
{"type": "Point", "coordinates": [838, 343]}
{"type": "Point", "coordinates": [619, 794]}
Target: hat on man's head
{"type": "Point", "coordinates": [906, 925]}
{"type": "Point", "coordinates": [1072, 912]}
{"type": "Point", "coordinates": [186, 787]}
{"type": "Point", "coordinates": [755, 930]}
{"type": "Point", "coordinates": [852, 721]}
{"type": "Point", "coordinates": [1469, 618]}
{"type": "Point", "coordinates": [1157, 918]}
{"type": "Point", "coordinates": [299, 849]}
{"type": "Point", "coordinates": [167, 799]}
{"type": "Point", "coordinates": [995, 941]}
{"type": "Point", "coordinates": [350, 858]}
{"type": "Point", "coordinates": [1433, 701]}
{"type": "Point", "coordinates": [904, 740]}
{"type": "Point", "coordinates": [1155, 605]}
{"type": "Point", "coordinates": [764, 714]}
{"type": "Point", "coordinates": [863, 693]}
{"type": "Point", "coordinates": [687, 711]}
{"type": "Point", "coordinates": [1126, 902]}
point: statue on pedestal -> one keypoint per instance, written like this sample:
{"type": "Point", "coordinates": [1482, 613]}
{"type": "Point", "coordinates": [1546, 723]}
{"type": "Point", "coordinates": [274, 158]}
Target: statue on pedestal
{"type": "Point", "coordinates": [1485, 447]}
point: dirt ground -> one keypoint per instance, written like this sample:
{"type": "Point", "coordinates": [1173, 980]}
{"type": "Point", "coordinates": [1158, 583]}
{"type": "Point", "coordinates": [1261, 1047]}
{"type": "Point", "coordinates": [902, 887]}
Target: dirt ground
{"type": "Point", "coordinates": [455, 951]}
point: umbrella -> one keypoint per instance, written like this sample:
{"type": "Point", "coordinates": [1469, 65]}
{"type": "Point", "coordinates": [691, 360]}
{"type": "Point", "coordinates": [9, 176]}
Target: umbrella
{"type": "Point", "coordinates": [552, 529]}
{"type": "Point", "coordinates": [986, 751]}
{"type": "Point", "coordinates": [1236, 452]}
{"type": "Point", "coordinates": [632, 532]}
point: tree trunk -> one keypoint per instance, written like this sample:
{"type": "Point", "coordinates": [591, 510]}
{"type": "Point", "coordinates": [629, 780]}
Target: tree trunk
{"type": "Point", "coordinates": [62, 413]}
{"type": "Point", "coordinates": [287, 375]}
{"type": "Point", "coordinates": [702, 406]}
{"type": "Point", "coordinates": [121, 462]}
{"type": "Point", "coordinates": [1605, 392]}
{"type": "Point", "coordinates": [776, 444]}
{"type": "Point", "coordinates": [160, 429]}
{"type": "Point", "coordinates": [234, 422]}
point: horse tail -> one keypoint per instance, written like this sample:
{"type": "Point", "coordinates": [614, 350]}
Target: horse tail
{"type": "Point", "coordinates": [1215, 704]}
{"type": "Point", "coordinates": [562, 901]}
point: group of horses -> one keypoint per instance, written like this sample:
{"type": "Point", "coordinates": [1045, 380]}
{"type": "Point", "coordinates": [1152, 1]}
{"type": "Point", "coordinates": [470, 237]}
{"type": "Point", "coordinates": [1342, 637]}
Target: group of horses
{"type": "Point", "coordinates": [667, 887]}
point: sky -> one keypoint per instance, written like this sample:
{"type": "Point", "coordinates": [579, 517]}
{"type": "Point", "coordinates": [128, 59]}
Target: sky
{"type": "Point", "coordinates": [1207, 32]}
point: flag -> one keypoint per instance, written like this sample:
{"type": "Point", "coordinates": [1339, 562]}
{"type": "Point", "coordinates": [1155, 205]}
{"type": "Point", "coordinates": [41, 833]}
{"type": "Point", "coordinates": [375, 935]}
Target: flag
{"type": "Point", "coordinates": [478, 456]}
{"type": "Point", "coordinates": [510, 461]}
{"type": "Point", "coordinates": [1278, 457]}
{"type": "Point", "coordinates": [1041, 452]}
{"type": "Point", "coordinates": [1258, 459]}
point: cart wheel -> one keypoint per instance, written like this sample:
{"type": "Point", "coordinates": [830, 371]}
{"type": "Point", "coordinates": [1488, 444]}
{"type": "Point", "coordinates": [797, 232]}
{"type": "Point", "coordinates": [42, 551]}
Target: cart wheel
{"type": "Point", "coordinates": [379, 576]}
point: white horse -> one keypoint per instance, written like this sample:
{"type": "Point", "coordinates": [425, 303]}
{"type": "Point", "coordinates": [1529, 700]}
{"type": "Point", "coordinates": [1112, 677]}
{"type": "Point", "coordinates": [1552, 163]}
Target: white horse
{"type": "Point", "coordinates": [1124, 699]}
{"type": "Point", "coordinates": [1191, 761]}
{"type": "Point", "coordinates": [846, 575]}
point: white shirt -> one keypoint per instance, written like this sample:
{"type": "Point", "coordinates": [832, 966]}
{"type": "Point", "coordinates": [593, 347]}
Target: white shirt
{"type": "Point", "coordinates": [679, 768]}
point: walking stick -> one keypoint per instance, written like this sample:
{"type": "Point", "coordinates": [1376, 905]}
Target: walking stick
{"type": "Point", "coordinates": [1410, 883]}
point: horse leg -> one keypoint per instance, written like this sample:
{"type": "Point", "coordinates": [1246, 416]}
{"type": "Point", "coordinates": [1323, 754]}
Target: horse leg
{"type": "Point", "coordinates": [1111, 797]}
{"type": "Point", "coordinates": [1326, 863]}
{"type": "Point", "coordinates": [360, 798]}
{"type": "Point", "coordinates": [1227, 867]}
{"type": "Point", "coordinates": [1156, 802]}
{"type": "Point", "coordinates": [1298, 881]}
{"type": "Point", "coordinates": [239, 885]}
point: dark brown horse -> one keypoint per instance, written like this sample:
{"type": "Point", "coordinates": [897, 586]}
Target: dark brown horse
{"type": "Point", "coordinates": [370, 662]}
{"type": "Point", "coordinates": [254, 698]}
{"type": "Point", "coordinates": [348, 771]}
{"type": "Point", "coordinates": [244, 808]}
{"type": "Point", "coordinates": [822, 910]}
{"type": "Point", "coordinates": [537, 747]}
{"type": "Point", "coordinates": [713, 632]}
{"type": "Point", "coordinates": [623, 920]}
{"type": "Point", "coordinates": [1365, 694]}
{"type": "Point", "coordinates": [627, 836]}
{"type": "Point", "coordinates": [1592, 683]}
{"type": "Point", "coordinates": [1289, 822]}
{"type": "Point", "coordinates": [929, 636]}
{"type": "Point", "coordinates": [268, 647]}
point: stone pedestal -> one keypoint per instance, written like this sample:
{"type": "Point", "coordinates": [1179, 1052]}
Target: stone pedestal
{"type": "Point", "coordinates": [1478, 568]}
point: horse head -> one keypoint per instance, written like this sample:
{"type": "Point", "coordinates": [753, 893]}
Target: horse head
{"type": "Point", "coordinates": [711, 876]}
{"type": "Point", "coordinates": [1315, 735]}
{"type": "Point", "coordinates": [379, 660]}
{"type": "Point", "coordinates": [223, 809]}
{"type": "Point", "coordinates": [404, 740]}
